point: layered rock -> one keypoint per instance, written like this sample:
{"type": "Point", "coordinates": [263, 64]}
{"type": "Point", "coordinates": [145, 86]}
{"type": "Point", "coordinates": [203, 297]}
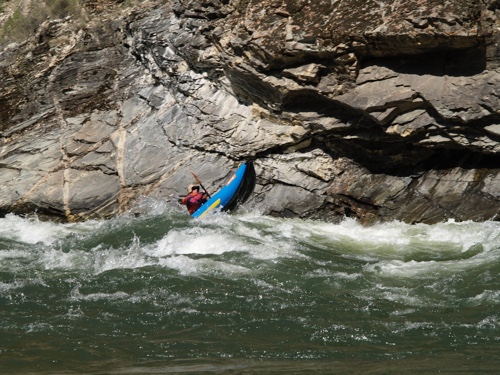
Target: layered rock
{"type": "Point", "coordinates": [352, 108]}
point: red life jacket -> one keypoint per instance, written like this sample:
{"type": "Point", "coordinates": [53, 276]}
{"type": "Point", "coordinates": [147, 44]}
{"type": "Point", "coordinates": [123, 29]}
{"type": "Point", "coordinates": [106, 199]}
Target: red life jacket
{"type": "Point", "coordinates": [193, 202]}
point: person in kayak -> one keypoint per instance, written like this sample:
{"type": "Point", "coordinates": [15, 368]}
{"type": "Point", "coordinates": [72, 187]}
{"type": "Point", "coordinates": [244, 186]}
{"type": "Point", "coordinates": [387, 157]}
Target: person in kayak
{"type": "Point", "coordinates": [194, 199]}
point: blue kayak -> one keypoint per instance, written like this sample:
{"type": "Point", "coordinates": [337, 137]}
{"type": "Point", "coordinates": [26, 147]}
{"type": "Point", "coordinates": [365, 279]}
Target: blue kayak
{"type": "Point", "coordinates": [236, 191]}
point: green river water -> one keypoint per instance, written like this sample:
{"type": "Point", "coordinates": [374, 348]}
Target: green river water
{"type": "Point", "coordinates": [247, 293]}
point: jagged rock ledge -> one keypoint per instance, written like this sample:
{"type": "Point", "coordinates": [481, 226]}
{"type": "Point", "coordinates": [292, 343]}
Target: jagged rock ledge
{"type": "Point", "coordinates": [348, 108]}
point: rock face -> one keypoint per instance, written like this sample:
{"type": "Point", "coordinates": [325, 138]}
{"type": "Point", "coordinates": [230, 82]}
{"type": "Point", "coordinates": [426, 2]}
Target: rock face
{"type": "Point", "coordinates": [348, 108]}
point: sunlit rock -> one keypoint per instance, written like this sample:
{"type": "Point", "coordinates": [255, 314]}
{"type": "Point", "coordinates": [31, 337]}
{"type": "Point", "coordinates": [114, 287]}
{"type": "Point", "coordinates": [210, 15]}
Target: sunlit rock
{"type": "Point", "coordinates": [352, 108]}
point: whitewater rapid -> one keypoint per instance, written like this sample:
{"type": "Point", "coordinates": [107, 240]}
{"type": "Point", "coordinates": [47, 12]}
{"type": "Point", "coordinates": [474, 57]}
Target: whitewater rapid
{"type": "Point", "coordinates": [249, 289]}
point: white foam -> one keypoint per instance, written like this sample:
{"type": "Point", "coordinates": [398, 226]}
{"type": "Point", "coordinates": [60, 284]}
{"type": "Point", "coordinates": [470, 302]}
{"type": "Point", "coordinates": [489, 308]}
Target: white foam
{"type": "Point", "coordinates": [428, 269]}
{"type": "Point", "coordinates": [187, 266]}
{"type": "Point", "coordinates": [487, 296]}
{"type": "Point", "coordinates": [393, 249]}
{"type": "Point", "coordinates": [410, 326]}
{"type": "Point", "coordinates": [226, 236]}
{"type": "Point", "coordinates": [33, 231]}
{"type": "Point", "coordinates": [97, 260]}
{"type": "Point", "coordinates": [490, 322]}
{"type": "Point", "coordinates": [196, 241]}
{"type": "Point", "coordinates": [13, 254]}
{"type": "Point", "coordinates": [130, 258]}
{"type": "Point", "coordinates": [100, 296]}
{"type": "Point", "coordinates": [6, 287]}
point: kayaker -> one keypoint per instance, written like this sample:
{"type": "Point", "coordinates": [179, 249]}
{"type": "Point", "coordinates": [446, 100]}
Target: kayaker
{"type": "Point", "coordinates": [194, 199]}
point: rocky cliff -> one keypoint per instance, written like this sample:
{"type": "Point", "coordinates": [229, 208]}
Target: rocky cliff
{"type": "Point", "coordinates": [375, 110]}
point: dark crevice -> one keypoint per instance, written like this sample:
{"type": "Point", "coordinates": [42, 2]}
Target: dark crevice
{"type": "Point", "coordinates": [441, 62]}
{"type": "Point", "coordinates": [309, 100]}
{"type": "Point", "coordinates": [406, 159]}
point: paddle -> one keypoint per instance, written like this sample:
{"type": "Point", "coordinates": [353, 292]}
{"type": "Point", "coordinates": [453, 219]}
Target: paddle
{"type": "Point", "coordinates": [199, 182]}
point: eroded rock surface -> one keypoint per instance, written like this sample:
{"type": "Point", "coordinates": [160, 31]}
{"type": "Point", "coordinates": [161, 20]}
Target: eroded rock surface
{"type": "Point", "coordinates": [374, 110]}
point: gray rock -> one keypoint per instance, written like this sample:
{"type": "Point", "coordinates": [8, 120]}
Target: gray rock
{"type": "Point", "coordinates": [380, 111]}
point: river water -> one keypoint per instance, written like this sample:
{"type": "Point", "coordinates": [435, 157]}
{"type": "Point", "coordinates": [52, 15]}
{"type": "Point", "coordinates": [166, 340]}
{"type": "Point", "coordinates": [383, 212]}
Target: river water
{"type": "Point", "coordinates": [247, 293]}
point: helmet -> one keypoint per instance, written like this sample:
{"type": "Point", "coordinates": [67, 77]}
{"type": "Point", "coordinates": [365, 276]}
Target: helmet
{"type": "Point", "coordinates": [192, 187]}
